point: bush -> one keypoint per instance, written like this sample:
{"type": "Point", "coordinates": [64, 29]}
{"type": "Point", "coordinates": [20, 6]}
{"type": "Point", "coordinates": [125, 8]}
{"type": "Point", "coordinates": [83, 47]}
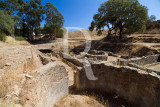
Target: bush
{"type": "Point", "coordinates": [2, 37]}
{"type": "Point", "coordinates": [153, 25]}
{"type": "Point", "coordinates": [20, 38]}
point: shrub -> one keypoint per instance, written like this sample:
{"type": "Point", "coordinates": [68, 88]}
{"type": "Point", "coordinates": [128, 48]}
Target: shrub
{"type": "Point", "coordinates": [2, 37]}
{"type": "Point", "coordinates": [19, 38]}
{"type": "Point", "coordinates": [153, 25]}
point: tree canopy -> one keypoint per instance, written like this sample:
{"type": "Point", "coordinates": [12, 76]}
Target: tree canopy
{"type": "Point", "coordinates": [6, 23]}
{"type": "Point", "coordinates": [28, 15]}
{"type": "Point", "coordinates": [54, 20]}
{"type": "Point", "coordinates": [152, 18]}
{"type": "Point", "coordinates": [128, 15]}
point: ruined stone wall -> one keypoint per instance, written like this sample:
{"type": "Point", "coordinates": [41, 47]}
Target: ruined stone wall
{"type": "Point", "coordinates": [134, 85]}
{"type": "Point", "coordinates": [19, 59]}
{"type": "Point", "coordinates": [142, 60]}
{"type": "Point", "coordinates": [72, 59]}
{"type": "Point", "coordinates": [24, 80]}
{"type": "Point", "coordinates": [45, 87]}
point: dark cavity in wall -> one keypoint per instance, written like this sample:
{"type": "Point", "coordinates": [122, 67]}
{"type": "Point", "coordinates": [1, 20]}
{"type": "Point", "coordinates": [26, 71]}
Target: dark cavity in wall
{"type": "Point", "coordinates": [158, 60]}
{"type": "Point", "coordinates": [45, 50]}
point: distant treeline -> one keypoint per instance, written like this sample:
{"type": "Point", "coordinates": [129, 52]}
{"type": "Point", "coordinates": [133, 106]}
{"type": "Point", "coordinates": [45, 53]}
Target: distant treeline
{"type": "Point", "coordinates": [153, 25]}
{"type": "Point", "coordinates": [23, 18]}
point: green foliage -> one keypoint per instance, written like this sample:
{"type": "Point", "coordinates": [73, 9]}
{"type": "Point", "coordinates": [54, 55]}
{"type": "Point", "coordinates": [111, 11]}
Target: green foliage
{"type": "Point", "coordinates": [6, 22]}
{"type": "Point", "coordinates": [60, 33]}
{"type": "Point", "coordinates": [19, 38]}
{"type": "Point", "coordinates": [54, 21]}
{"type": "Point", "coordinates": [24, 17]}
{"type": "Point", "coordinates": [120, 14]}
{"type": "Point", "coordinates": [152, 18]}
{"type": "Point", "coordinates": [2, 36]}
{"type": "Point", "coordinates": [153, 25]}
{"type": "Point", "coordinates": [9, 6]}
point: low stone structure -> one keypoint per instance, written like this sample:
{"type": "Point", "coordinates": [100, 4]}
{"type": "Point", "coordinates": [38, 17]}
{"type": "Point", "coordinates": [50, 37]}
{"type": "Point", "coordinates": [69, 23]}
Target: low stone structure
{"type": "Point", "coordinates": [149, 63]}
{"type": "Point", "coordinates": [72, 59]}
{"type": "Point", "coordinates": [142, 61]}
{"type": "Point", "coordinates": [134, 85]}
{"type": "Point", "coordinates": [19, 59]}
{"type": "Point", "coordinates": [30, 78]}
{"type": "Point", "coordinates": [46, 86]}
{"type": "Point", "coordinates": [97, 55]}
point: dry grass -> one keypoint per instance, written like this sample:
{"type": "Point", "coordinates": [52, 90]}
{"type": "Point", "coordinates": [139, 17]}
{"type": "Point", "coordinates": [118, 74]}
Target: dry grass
{"type": "Point", "coordinates": [12, 41]}
{"type": "Point", "coordinates": [7, 83]}
{"type": "Point", "coordinates": [78, 35]}
{"type": "Point", "coordinates": [79, 101]}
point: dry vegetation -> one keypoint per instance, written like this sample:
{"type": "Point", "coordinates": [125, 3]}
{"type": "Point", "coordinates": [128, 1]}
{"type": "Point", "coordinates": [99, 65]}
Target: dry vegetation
{"type": "Point", "coordinates": [80, 101]}
{"type": "Point", "coordinates": [10, 41]}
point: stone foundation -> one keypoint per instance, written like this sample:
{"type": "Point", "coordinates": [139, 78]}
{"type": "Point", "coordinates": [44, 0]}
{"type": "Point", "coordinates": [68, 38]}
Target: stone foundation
{"type": "Point", "coordinates": [134, 85]}
{"type": "Point", "coordinates": [46, 86]}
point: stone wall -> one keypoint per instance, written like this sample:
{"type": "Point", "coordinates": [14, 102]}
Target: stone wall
{"type": "Point", "coordinates": [134, 85]}
{"type": "Point", "coordinates": [19, 59]}
{"type": "Point", "coordinates": [72, 59]}
{"type": "Point", "coordinates": [30, 78]}
{"type": "Point", "coordinates": [45, 86]}
{"type": "Point", "coordinates": [97, 57]}
{"type": "Point", "coordinates": [142, 60]}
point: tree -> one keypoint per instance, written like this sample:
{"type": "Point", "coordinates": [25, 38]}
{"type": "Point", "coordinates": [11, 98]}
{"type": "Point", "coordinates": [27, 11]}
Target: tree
{"type": "Point", "coordinates": [54, 20]}
{"type": "Point", "coordinates": [10, 6]}
{"type": "Point", "coordinates": [34, 17]}
{"type": "Point", "coordinates": [128, 15]}
{"type": "Point", "coordinates": [152, 18]}
{"type": "Point", "coordinates": [6, 23]}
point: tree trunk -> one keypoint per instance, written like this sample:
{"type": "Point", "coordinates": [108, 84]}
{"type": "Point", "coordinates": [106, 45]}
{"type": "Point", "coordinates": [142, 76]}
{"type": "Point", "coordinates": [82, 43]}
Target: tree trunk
{"type": "Point", "coordinates": [12, 34]}
{"type": "Point", "coordinates": [121, 29]}
{"type": "Point", "coordinates": [120, 34]}
{"type": "Point", "coordinates": [109, 33]}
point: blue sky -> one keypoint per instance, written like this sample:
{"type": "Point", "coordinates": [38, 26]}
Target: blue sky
{"type": "Point", "coordinates": [79, 13]}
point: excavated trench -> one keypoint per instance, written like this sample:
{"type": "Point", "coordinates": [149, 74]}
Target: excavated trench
{"type": "Point", "coordinates": [93, 97]}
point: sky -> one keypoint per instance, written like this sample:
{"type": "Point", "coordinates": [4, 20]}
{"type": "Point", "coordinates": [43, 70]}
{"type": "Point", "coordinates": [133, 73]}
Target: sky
{"type": "Point", "coordinates": [79, 13]}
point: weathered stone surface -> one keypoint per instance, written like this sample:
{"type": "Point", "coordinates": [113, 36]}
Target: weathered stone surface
{"type": "Point", "coordinates": [48, 84]}
{"type": "Point", "coordinates": [134, 85]}
{"type": "Point", "coordinates": [142, 60]}
{"type": "Point", "coordinates": [7, 103]}
{"type": "Point", "coordinates": [98, 57]}
{"type": "Point", "coordinates": [95, 52]}
{"type": "Point", "coordinates": [14, 61]}
{"type": "Point", "coordinates": [28, 81]}
{"type": "Point", "coordinates": [149, 63]}
{"type": "Point", "coordinates": [19, 59]}
{"type": "Point", "coordinates": [73, 60]}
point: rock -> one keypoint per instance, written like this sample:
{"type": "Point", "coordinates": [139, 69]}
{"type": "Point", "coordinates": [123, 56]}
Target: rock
{"type": "Point", "coordinates": [8, 96]}
{"type": "Point", "coordinates": [23, 80]}
{"type": "Point", "coordinates": [1, 72]}
{"type": "Point", "coordinates": [25, 71]}
{"type": "Point", "coordinates": [29, 57]}
{"type": "Point", "coordinates": [28, 76]}
{"type": "Point", "coordinates": [7, 64]}
{"type": "Point", "coordinates": [16, 90]}
{"type": "Point", "coordinates": [73, 60]}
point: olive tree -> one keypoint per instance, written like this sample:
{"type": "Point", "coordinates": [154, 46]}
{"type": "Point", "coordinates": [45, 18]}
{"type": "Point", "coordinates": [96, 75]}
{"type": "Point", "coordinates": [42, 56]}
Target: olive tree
{"type": "Point", "coordinates": [128, 15]}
